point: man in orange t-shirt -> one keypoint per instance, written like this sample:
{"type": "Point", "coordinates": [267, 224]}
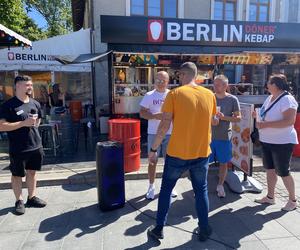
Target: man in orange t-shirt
{"type": "Point", "coordinates": [191, 109]}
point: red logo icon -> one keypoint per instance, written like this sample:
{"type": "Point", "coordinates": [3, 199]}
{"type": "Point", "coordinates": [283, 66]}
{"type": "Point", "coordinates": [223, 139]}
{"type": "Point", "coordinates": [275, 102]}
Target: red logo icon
{"type": "Point", "coordinates": [11, 56]}
{"type": "Point", "coordinates": [155, 31]}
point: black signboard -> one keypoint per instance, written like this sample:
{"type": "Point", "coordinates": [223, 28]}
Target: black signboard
{"type": "Point", "coordinates": [187, 32]}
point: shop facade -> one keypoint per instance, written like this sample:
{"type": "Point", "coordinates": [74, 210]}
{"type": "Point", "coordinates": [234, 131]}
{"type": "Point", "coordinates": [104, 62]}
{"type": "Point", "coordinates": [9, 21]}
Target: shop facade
{"type": "Point", "coordinates": [256, 57]}
{"type": "Point", "coordinates": [149, 45]}
{"type": "Point", "coordinates": [39, 63]}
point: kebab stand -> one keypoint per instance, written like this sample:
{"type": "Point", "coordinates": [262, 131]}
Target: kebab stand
{"type": "Point", "coordinates": [149, 45]}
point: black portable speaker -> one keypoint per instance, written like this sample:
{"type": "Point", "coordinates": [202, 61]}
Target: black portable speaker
{"type": "Point", "coordinates": [110, 175]}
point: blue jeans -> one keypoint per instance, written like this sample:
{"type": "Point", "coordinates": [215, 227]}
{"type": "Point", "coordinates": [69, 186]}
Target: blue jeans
{"type": "Point", "coordinates": [173, 169]}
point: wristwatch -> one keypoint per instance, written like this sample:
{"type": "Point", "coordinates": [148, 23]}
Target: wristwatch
{"type": "Point", "coordinates": [153, 150]}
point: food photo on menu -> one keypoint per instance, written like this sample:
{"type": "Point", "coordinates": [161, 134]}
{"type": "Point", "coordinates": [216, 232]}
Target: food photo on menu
{"type": "Point", "coordinates": [241, 143]}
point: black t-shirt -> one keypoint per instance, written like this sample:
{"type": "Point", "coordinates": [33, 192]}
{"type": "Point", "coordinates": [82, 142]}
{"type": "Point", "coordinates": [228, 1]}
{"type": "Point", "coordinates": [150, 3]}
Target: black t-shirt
{"type": "Point", "coordinates": [24, 139]}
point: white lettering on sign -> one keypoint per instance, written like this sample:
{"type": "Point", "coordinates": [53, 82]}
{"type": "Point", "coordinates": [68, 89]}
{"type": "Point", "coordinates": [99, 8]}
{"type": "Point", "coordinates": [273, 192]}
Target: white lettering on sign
{"type": "Point", "coordinates": [173, 31]}
{"type": "Point", "coordinates": [201, 31]}
{"type": "Point", "coordinates": [257, 38]}
{"type": "Point", "coordinates": [188, 30]}
{"type": "Point", "coordinates": [192, 31]}
{"type": "Point", "coordinates": [237, 33]}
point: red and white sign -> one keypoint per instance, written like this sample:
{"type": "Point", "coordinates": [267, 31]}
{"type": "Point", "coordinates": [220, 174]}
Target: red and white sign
{"type": "Point", "coordinates": [155, 31]}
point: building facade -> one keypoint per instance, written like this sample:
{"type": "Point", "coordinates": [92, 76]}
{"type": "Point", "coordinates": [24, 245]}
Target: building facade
{"type": "Point", "coordinates": [256, 66]}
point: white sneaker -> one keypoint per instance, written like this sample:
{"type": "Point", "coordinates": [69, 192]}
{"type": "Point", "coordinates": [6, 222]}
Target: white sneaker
{"type": "Point", "coordinates": [290, 206]}
{"type": "Point", "coordinates": [150, 194]}
{"type": "Point", "coordinates": [221, 191]}
{"type": "Point", "coordinates": [174, 193]}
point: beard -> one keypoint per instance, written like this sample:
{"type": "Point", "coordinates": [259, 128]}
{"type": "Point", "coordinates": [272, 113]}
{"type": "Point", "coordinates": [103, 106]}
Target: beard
{"type": "Point", "coordinates": [29, 93]}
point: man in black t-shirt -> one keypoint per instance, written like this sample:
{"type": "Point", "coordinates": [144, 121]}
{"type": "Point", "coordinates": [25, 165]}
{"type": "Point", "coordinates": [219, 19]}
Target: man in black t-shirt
{"type": "Point", "coordinates": [20, 117]}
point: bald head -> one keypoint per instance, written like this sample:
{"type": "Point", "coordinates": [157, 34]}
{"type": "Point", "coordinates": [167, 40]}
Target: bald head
{"type": "Point", "coordinates": [163, 75]}
{"type": "Point", "coordinates": [161, 81]}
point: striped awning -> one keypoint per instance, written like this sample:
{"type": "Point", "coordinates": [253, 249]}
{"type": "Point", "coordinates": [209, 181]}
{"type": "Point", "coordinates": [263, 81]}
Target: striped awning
{"type": "Point", "coordinates": [9, 38]}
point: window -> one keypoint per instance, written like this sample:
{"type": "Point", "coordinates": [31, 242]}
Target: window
{"type": "Point", "coordinates": [225, 10]}
{"type": "Point", "coordinates": [137, 7]}
{"type": "Point", "coordinates": [293, 11]}
{"type": "Point", "coordinates": [160, 8]}
{"type": "Point", "coordinates": [259, 10]}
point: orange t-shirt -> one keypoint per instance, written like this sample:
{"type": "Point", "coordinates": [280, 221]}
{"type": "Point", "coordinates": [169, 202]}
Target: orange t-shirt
{"type": "Point", "coordinates": [192, 108]}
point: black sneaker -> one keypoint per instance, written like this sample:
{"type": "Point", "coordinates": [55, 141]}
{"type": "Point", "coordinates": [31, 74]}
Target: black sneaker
{"type": "Point", "coordinates": [155, 233]}
{"type": "Point", "coordinates": [19, 207]}
{"type": "Point", "coordinates": [204, 234]}
{"type": "Point", "coordinates": [35, 202]}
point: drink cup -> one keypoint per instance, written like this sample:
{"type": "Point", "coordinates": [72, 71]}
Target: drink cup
{"type": "Point", "coordinates": [34, 116]}
{"type": "Point", "coordinates": [257, 111]}
{"type": "Point", "coordinates": [218, 111]}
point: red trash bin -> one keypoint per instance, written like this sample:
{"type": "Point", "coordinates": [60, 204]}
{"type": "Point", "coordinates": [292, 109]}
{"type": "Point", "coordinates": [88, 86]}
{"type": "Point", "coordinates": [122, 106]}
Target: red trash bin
{"type": "Point", "coordinates": [296, 151]}
{"type": "Point", "coordinates": [75, 110]}
{"type": "Point", "coordinates": [127, 131]}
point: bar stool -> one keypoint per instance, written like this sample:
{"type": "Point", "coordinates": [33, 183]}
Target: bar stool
{"type": "Point", "coordinates": [50, 138]}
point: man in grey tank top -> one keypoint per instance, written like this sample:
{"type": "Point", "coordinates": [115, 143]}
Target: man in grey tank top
{"type": "Point", "coordinates": [229, 111]}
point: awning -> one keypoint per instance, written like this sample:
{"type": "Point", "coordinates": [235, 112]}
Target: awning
{"type": "Point", "coordinates": [9, 38]}
{"type": "Point", "coordinates": [195, 50]}
{"type": "Point", "coordinates": [83, 58]}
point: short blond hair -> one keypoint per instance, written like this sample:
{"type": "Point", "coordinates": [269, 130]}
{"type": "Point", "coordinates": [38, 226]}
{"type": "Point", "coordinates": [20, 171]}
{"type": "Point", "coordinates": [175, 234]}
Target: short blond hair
{"type": "Point", "coordinates": [222, 77]}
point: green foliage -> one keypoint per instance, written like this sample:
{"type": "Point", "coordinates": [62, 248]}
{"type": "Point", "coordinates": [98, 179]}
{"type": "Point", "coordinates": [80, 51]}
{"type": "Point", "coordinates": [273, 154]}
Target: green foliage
{"type": "Point", "coordinates": [57, 14]}
{"type": "Point", "coordinates": [14, 17]}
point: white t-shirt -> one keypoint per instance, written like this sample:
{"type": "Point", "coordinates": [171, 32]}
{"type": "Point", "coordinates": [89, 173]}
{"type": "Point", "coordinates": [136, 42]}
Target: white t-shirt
{"type": "Point", "coordinates": [279, 135]}
{"type": "Point", "coordinates": [153, 101]}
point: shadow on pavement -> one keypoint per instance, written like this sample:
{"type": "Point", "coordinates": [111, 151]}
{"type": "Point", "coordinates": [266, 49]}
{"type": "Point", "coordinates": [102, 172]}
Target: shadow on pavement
{"type": "Point", "coordinates": [229, 226]}
{"type": "Point", "coordinates": [79, 188]}
{"type": "Point", "coordinates": [88, 219]}
{"type": "Point", "coordinates": [5, 211]}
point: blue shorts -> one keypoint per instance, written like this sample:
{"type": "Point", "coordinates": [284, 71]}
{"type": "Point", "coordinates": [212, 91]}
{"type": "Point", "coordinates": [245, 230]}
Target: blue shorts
{"type": "Point", "coordinates": [221, 151]}
{"type": "Point", "coordinates": [162, 149]}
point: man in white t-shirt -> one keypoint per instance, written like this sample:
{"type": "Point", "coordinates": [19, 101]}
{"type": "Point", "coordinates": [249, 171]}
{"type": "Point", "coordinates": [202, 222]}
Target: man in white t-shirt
{"type": "Point", "coordinates": [151, 110]}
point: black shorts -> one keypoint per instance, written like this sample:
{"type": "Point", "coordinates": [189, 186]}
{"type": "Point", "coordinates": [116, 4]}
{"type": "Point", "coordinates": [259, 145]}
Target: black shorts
{"type": "Point", "coordinates": [31, 160]}
{"type": "Point", "coordinates": [278, 157]}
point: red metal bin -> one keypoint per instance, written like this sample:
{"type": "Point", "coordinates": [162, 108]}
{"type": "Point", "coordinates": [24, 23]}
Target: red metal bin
{"type": "Point", "coordinates": [127, 131]}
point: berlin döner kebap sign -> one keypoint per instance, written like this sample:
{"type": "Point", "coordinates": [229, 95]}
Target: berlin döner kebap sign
{"type": "Point", "coordinates": [169, 31]}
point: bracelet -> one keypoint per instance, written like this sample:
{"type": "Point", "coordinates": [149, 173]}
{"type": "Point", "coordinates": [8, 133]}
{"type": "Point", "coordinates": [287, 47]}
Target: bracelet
{"type": "Point", "coordinates": [153, 150]}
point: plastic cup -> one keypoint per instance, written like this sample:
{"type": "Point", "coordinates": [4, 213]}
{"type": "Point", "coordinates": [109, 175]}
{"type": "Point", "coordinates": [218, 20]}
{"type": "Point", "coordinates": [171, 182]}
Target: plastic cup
{"type": "Point", "coordinates": [257, 111]}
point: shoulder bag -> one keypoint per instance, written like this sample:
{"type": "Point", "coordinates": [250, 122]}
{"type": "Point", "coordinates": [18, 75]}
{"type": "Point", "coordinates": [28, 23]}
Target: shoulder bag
{"type": "Point", "coordinates": [255, 134]}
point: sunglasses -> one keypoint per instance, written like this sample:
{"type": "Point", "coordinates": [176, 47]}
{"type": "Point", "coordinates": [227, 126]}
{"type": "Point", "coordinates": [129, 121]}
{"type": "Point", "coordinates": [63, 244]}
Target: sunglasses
{"type": "Point", "coordinates": [160, 81]}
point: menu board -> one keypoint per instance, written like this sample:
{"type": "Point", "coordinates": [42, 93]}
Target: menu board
{"type": "Point", "coordinates": [242, 148]}
{"type": "Point", "coordinates": [253, 58]}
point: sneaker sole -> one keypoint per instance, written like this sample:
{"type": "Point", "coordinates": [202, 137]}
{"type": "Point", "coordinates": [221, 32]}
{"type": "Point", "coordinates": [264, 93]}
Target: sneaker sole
{"type": "Point", "coordinates": [19, 213]}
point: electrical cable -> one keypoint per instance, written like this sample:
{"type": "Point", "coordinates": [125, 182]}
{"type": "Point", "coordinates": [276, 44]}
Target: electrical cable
{"type": "Point", "coordinates": [147, 215]}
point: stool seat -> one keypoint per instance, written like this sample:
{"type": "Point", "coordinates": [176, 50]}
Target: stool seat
{"type": "Point", "coordinates": [49, 136]}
